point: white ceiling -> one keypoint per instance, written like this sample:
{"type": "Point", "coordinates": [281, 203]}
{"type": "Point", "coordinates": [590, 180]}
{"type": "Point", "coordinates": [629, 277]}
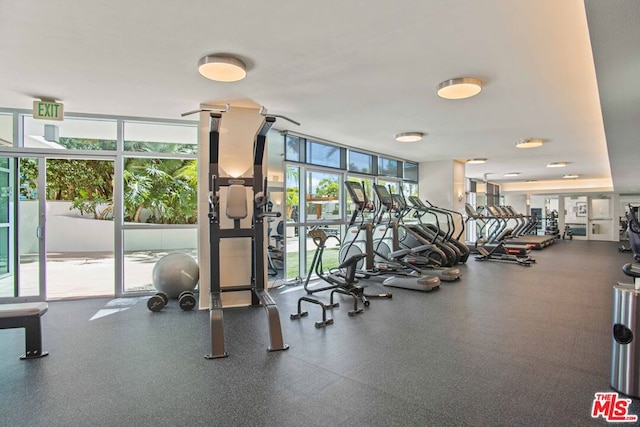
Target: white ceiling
{"type": "Point", "coordinates": [353, 72]}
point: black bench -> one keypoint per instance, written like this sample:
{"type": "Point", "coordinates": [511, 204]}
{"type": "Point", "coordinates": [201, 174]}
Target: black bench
{"type": "Point", "coordinates": [26, 315]}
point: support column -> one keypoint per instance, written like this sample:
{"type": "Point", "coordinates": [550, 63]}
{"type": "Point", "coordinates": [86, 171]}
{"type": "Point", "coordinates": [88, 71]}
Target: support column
{"type": "Point", "coordinates": [239, 127]}
{"type": "Point", "coordinates": [442, 183]}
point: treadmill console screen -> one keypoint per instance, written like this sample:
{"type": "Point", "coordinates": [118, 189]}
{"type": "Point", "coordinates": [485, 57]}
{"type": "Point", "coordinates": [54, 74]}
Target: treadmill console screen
{"type": "Point", "coordinates": [398, 201]}
{"type": "Point", "coordinates": [356, 192]}
{"type": "Point", "coordinates": [416, 201]}
{"type": "Point", "coordinates": [383, 194]}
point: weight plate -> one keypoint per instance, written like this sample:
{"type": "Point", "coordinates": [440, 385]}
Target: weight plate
{"type": "Point", "coordinates": [155, 303]}
{"type": "Point", "coordinates": [187, 302]}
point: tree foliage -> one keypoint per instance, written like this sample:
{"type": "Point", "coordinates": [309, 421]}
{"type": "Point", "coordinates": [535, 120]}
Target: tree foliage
{"type": "Point", "coordinates": [328, 188]}
{"type": "Point", "coordinates": [159, 191]}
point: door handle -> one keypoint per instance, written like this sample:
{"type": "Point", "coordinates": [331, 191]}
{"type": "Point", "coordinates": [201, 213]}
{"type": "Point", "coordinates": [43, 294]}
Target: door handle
{"type": "Point", "coordinates": [39, 232]}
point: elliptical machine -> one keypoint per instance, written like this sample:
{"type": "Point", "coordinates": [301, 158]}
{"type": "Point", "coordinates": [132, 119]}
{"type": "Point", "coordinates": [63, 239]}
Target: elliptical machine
{"type": "Point", "coordinates": [359, 239]}
{"type": "Point", "coordinates": [409, 256]}
{"type": "Point", "coordinates": [448, 236]}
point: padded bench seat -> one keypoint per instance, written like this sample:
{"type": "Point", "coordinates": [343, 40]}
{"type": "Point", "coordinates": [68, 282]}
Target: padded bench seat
{"type": "Point", "coordinates": [26, 315]}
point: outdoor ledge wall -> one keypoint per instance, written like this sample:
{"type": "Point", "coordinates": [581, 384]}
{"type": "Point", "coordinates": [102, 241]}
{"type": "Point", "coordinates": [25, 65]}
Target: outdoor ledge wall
{"type": "Point", "coordinates": [67, 231]}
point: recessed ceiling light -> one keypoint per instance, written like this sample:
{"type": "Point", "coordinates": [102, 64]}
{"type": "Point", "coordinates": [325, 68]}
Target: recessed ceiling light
{"type": "Point", "coordinates": [529, 143]}
{"type": "Point", "coordinates": [512, 174]}
{"type": "Point", "coordinates": [557, 165]}
{"type": "Point", "coordinates": [570, 176]}
{"type": "Point", "coordinates": [460, 88]}
{"type": "Point", "coordinates": [409, 136]}
{"type": "Point", "coordinates": [222, 68]}
{"type": "Point", "coordinates": [476, 161]}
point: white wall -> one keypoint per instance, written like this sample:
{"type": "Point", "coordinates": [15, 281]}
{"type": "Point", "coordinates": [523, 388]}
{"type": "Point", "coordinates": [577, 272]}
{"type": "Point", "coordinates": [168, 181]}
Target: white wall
{"type": "Point", "coordinates": [517, 202]}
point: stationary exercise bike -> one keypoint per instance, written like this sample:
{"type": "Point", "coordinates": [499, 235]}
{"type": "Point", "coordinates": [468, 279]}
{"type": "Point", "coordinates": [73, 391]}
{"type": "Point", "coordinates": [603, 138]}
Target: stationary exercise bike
{"type": "Point", "coordinates": [343, 279]}
{"type": "Point", "coordinates": [339, 281]}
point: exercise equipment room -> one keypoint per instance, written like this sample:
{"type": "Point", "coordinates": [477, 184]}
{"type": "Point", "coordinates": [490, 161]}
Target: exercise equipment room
{"type": "Point", "coordinates": [336, 213]}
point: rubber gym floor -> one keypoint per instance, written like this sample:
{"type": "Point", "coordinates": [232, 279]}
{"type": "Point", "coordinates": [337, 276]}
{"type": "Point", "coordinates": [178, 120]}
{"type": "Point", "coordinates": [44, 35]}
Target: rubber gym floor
{"type": "Point", "coordinates": [506, 345]}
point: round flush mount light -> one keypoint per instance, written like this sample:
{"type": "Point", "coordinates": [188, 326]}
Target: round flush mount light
{"type": "Point", "coordinates": [570, 176]}
{"type": "Point", "coordinates": [476, 161]}
{"type": "Point", "coordinates": [529, 143]}
{"type": "Point", "coordinates": [557, 164]}
{"type": "Point", "coordinates": [460, 88]}
{"type": "Point", "coordinates": [511, 174]}
{"type": "Point", "coordinates": [409, 136]}
{"type": "Point", "coordinates": [222, 68]}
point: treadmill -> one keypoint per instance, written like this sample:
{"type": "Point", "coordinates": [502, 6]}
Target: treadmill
{"type": "Point", "coordinates": [499, 237]}
{"type": "Point", "coordinates": [532, 240]}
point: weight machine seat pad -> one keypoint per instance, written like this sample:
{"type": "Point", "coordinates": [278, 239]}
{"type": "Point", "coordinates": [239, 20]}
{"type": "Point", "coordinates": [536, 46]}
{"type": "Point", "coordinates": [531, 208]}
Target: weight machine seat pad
{"type": "Point", "coordinates": [237, 202]}
{"type": "Point", "coordinates": [23, 309]}
{"type": "Point", "coordinates": [352, 260]}
{"type": "Point", "coordinates": [337, 280]}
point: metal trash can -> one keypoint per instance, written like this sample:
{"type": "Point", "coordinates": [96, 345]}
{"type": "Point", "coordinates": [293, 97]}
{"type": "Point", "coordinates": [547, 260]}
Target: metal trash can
{"type": "Point", "coordinates": [625, 354]}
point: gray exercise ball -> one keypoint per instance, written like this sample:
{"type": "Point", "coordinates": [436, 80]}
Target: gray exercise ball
{"type": "Point", "coordinates": [175, 273]}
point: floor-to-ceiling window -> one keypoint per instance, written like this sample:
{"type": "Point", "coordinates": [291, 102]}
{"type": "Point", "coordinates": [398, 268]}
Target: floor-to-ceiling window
{"type": "Point", "coordinates": [315, 196]}
{"type": "Point", "coordinates": [133, 180]}
{"type": "Point", "coordinates": [159, 197]}
{"type": "Point", "coordinates": [92, 202]}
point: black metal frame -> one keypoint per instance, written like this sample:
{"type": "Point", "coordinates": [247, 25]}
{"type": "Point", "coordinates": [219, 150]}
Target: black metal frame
{"type": "Point", "coordinates": [259, 294]}
{"type": "Point", "coordinates": [32, 331]}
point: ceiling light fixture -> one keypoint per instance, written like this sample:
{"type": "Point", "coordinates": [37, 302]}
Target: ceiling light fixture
{"type": "Point", "coordinates": [529, 143]}
{"type": "Point", "coordinates": [557, 164]}
{"type": "Point", "coordinates": [476, 161]}
{"type": "Point", "coordinates": [409, 136]}
{"type": "Point", "coordinates": [460, 88]}
{"type": "Point", "coordinates": [222, 68]}
{"type": "Point", "coordinates": [510, 174]}
{"type": "Point", "coordinates": [570, 176]}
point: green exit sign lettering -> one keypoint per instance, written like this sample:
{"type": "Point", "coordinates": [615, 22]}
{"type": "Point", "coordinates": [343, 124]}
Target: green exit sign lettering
{"type": "Point", "coordinates": [47, 110]}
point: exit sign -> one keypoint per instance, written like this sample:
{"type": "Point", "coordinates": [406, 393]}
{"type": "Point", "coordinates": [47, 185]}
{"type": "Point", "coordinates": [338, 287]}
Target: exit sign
{"type": "Point", "coordinates": [47, 110]}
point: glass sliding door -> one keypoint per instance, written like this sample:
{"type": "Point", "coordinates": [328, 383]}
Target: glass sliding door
{"type": "Point", "coordinates": [21, 228]}
{"type": "Point", "coordinates": [6, 240]}
{"type": "Point", "coordinates": [31, 225]}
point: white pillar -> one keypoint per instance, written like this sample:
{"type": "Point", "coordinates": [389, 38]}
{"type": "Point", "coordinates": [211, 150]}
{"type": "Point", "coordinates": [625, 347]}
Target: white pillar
{"type": "Point", "coordinates": [442, 183]}
{"type": "Point", "coordinates": [238, 130]}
